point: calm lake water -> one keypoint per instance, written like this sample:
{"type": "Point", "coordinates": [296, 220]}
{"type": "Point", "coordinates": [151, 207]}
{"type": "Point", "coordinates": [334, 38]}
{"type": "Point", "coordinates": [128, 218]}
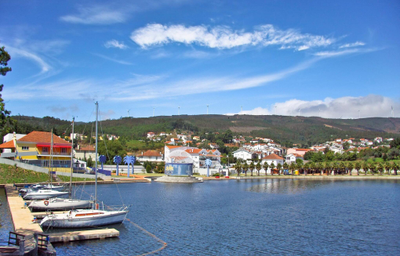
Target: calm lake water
{"type": "Point", "coordinates": [253, 217]}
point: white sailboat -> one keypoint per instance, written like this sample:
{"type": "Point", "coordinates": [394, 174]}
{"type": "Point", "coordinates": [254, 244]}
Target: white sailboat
{"type": "Point", "coordinates": [86, 218]}
{"type": "Point", "coordinates": [44, 194]}
{"type": "Point", "coordinates": [59, 204]}
{"type": "Point", "coordinates": [62, 203]}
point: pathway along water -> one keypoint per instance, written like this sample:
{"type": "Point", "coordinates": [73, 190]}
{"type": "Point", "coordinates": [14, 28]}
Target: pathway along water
{"type": "Point", "coordinates": [253, 217]}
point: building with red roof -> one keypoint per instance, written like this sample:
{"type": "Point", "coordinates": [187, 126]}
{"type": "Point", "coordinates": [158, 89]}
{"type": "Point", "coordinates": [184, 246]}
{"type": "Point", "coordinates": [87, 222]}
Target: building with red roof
{"type": "Point", "coordinates": [38, 148]}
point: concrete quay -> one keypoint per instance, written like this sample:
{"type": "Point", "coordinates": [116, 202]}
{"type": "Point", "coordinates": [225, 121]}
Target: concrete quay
{"type": "Point", "coordinates": [23, 223]}
{"type": "Point", "coordinates": [22, 220]}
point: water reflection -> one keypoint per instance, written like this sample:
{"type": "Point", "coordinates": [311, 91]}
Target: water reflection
{"type": "Point", "coordinates": [288, 186]}
{"type": "Point", "coordinates": [253, 217]}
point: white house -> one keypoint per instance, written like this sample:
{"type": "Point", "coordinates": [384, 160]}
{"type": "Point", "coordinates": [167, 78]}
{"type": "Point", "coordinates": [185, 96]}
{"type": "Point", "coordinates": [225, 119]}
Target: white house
{"type": "Point", "coordinates": [242, 154]}
{"type": "Point", "coordinates": [272, 159]}
{"type": "Point", "coordinates": [85, 152]}
{"type": "Point", "coordinates": [151, 156]}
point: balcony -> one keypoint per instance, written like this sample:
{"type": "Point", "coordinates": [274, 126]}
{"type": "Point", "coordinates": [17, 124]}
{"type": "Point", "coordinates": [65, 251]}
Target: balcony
{"type": "Point", "coordinates": [59, 154]}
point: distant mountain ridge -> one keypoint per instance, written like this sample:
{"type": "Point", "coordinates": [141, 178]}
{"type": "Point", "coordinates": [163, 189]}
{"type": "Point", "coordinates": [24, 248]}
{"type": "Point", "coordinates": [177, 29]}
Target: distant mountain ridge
{"type": "Point", "coordinates": [295, 129]}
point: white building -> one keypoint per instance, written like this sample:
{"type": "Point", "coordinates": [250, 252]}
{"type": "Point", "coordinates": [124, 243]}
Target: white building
{"type": "Point", "coordinates": [242, 154]}
{"type": "Point", "coordinates": [150, 156]}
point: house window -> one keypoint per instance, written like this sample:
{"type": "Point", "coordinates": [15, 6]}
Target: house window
{"type": "Point", "coordinates": [63, 150]}
{"type": "Point", "coordinates": [45, 150]}
{"type": "Point", "coordinates": [25, 148]}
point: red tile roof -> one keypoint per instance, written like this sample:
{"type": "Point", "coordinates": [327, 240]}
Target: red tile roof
{"type": "Point", "coordinates": [42, 137]}
{"type": "Point", "coordinates": [193, 150]}
{"type": "Point", "coordinates": [173, 146]}
{"type": "Point", "coordinates": [86, 148]}
{"type": "Point", "coordinates": [9, 144]}
{"type": "Point", "coordinates": [273, 157]}
{"type": "Point", "coordinates": [151, 153]}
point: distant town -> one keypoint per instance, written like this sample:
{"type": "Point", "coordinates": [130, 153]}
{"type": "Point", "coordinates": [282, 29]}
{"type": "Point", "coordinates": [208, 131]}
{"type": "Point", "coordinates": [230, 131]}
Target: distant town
{"type": "Point", "coordinates": [224, 150]}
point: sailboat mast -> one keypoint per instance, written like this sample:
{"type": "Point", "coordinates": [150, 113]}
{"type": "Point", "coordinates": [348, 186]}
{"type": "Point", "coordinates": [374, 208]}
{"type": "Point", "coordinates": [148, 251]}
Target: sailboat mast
{"type": "Point", "coordinates": [51, 158]}
{"type": "Point", "coordinates": [95, 171]}
{"type": "Point", "coordinates": [72, 158]}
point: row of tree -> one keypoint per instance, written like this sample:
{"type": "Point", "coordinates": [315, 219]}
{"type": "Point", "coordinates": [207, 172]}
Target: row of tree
{"type": "Point", "coordinates": [327, 168]}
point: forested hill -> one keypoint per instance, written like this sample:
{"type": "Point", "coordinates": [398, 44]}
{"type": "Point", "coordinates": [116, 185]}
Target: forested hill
{"type": "Point", "coordinates": [303, 130]}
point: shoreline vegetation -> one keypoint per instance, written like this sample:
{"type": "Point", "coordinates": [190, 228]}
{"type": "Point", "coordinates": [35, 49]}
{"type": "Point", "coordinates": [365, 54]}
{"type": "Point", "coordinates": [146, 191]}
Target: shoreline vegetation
{"type": "Point", "coordinates": [15, 175]}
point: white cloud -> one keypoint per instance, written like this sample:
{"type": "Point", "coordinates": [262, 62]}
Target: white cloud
{"type": "Point", "coordinates": [352, 45]}
{"type": "Point", "coordinates": [336, 53]}
{"type": "Point", "coordinates": [198, 85]}
{"type": "Point", "coordinates": [223, 37]}
{"type": "Point", "coordinates": [96, 15]}
{"type": "Point", "coordinates": [328, 54]}
{"type": "Point", "coordinates": [16, 52]}
{"type": "Point", "coordinates": [112, 59]}
{"type": "Point", "coordinates": [115, 44]}
{"type": "Point", "coordinates": [345, 107]}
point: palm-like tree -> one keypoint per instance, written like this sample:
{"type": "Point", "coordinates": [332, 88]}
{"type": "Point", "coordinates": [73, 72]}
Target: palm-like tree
{"type": "Point", "coordinates": [279, 167]}
{"type": "Point", "coordinates": [365, 167]}
{"type": "Point", "coordinates": [299, 166]}
{"type": "Point", "coordinates": [342, 167]}
{"type": "Point", "coordinates": [328, 167]}
{"type": "Point", "coordinates": [285, 166]}
{"type": "Point", "coordinates": [265, 167]}
{"type": "Point", "coordinates": [372, 167]}
{"type": "Point", "coordinates": [381, 168]}
{"type": "Point", "coordinates": [238, 168]}
{"type": "Point", "coordinates": [245, 168]}
{"type": "Point", "coordinates": [252, 166]}
{"type": "Point", "coordinates": [395, 167]}
{"type": "Point", "coordinates": [292, 167]}
{"type": "Point", "coordinates": [258, 167]}
{"type": "Point", "coordinates": [318, 167]}
{"type": "Point", "coordinates": [312, 167]}
{"type": "Point", "coordinates": [335, 167]}
{"type": "Point", "coordinates": [350, 167]}
{"type": "Point", "coordinates": [272, 166]}
{"type": "Point", "coordinates": [388, 167]}
{"type": "Point", "coordinates": [306, 168]}
{"type": "Point", "coordinates": [357, 166]}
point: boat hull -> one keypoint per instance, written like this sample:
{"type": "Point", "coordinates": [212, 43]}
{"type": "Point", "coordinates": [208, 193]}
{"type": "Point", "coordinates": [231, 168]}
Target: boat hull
{"type": "Point", "coordinates": [43, 195]}
{"type": "Point", "coordinates": [68, 221]}
{"type": "Point", "coordinates": [59, 204]}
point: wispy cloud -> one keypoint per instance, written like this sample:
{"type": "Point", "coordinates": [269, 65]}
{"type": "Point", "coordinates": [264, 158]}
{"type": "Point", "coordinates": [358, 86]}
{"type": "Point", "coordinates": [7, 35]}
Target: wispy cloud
{"type": "Point", "coordinates": [328, 54]}
{"type": "Point", "coordinates": [16, 52]}
{"type": "Point", "coordinates": [344, 107]}
{"type": "Point", "coordinates": [115, 44]}
{"type": "Point", "coordinates": [223, 37]}
{"type": "Point", "coordinates": [356, 44]}
{"type": "Point", "coordinates": [112, 59]}
{"type": "Point", "coordinates": [64, 89]}
{"type": "Point", "coordinates": [97, 15]}
{"type": "Point", "coordinates": [198, 85]}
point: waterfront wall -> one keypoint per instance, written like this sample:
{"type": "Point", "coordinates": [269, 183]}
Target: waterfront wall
{"type": "Point", "coordinates": [44, 170]}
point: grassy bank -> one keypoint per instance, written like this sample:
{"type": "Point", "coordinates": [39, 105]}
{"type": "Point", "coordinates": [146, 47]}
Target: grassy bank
{"type": "Point", "coordinates": [67, 178]}
{"type": "Point", "coordinates": [11, 174]}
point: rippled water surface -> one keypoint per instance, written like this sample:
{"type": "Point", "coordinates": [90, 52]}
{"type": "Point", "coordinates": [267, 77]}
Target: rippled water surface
{"type": "Point", "coordinates": [253, 217]}
{"type": "Point", "coordinates": [5, 218]}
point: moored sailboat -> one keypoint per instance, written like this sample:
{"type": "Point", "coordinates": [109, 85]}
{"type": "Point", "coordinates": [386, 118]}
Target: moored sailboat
{"type": "Point", "coordinates": [62, 203]}
{"type": "Point", "coordinates": [87, 218]}
{"type": "Point", "coordinates": [44, 194]}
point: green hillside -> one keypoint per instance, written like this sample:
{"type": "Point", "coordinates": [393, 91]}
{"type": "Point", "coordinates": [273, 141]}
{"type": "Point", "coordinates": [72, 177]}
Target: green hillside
{"type": "Point", "coordinates": [283, 129]}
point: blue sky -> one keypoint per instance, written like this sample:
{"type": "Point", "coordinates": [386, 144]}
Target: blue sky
{"type": "Point", "coordinates": [335, 59]}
